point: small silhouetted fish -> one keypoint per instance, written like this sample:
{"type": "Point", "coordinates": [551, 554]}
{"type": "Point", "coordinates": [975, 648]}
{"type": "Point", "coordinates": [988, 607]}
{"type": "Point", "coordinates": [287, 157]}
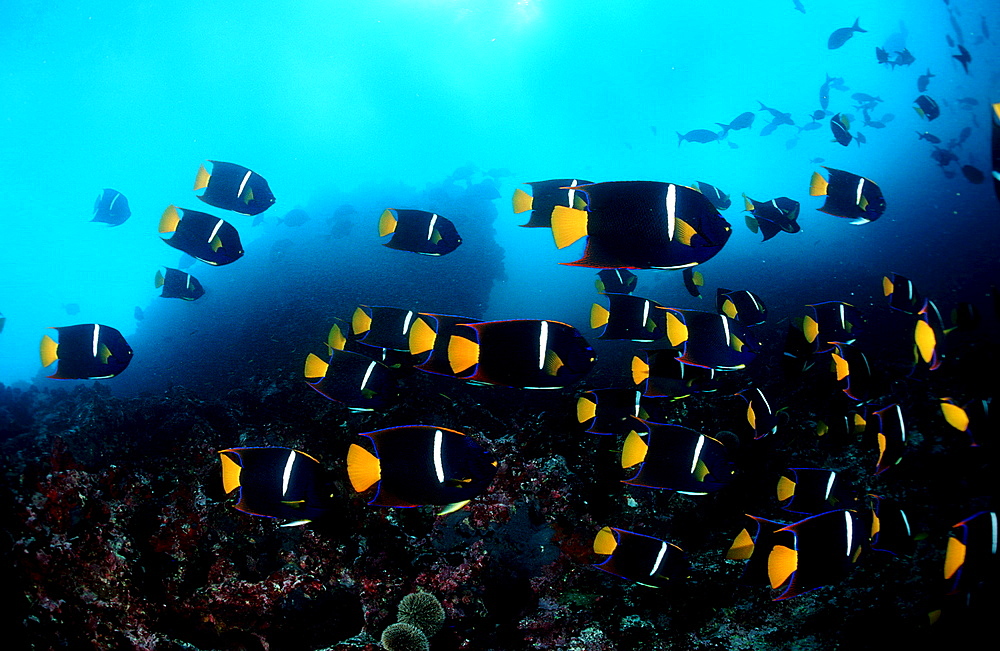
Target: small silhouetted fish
{"type": "Point", "coordinates": [950, 40]}
{"type": "Point", "coordinates": [841, 36]}
{"type": "Point", "coordinates": [929, 137]}
{"type": "Point", "coordinates": [968, 102]}
{"type": "Point", "coordinates": [741, 121]}
{"type": "Point", "coordinates": [963, 57]}
{"type": "Point", "coordinates": [817, 161]}
{"type": "Point", "coordinates": [865, 98]}
{"type": "Point", "coordinates": [964, 135]}
{"type": "Point", "coordinates": [881, 55]}
{"type": "Point", "coordinates": [294, 217]}
{"type": "Point", "coordinates": [973, 174]}
{"type": "Point", "coordinates": [71, 308]}
{"type": "Point", "coordinates": [111, 207]}
{"type": "Point", "coordinates": [698, 135]}
{"type": "Point", "coordinates": [924, 80]}
{"type": "Point", "coordinates": [811, 126]}
{"type": "Point", "coordinates": [943, 156]}
{"type": "Point", "coordinates": [779, 117]}
{"type": "Point", "coordinates": [904, 58]}
{"type": "Point", "coordinates": [818, 114]}
{"type": "Point", "coordinates": [860, 138]}
{"type": "Point", "coordinates": [799, 7]}
{"type": "Point", "coordinates": [791, 142]}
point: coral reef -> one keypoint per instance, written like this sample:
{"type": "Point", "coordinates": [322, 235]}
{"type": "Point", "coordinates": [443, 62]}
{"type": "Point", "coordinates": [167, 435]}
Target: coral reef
{"type": "Point", "coordinates": [404, 637]}
{"type": "Point", "coordinates": [423, 610]}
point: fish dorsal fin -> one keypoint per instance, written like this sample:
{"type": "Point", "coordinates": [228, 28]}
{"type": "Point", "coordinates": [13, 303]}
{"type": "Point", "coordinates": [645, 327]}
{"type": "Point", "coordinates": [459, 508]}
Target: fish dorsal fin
{"type": "Point", "coordinates": [336, 340]}
{"type": "Point", "coordinates": [605, 542]}
{"type": "Point", "coordinates": [169, 220]}
{"type": "Point", "coordinates": [522, 201]}
{"type": "Point", "coordinates": [598, 316]}
{"type": "Point", "coordinates": [840, 366]}
{"type": "Point", "coordinates": [315, 367]}
{"type": "Point", "coordinates": [451, 508]}
{"type": "Point", "coordinates": [926, 340]}
{"type": "Point", "coordinates": [48, 350]}
{"type": "Point", "coordinates": [818, 185]}
{"type": "Point", "coordinates": [810, 328]}
{"type": "Point", "coordinates": [634, 451]}
{"type": "Point", "coordinates": [640, 370]}
{"type": "Point", "coordinates": [230, 472]}
{"type": "Point", "coordinates": [361, 322]}
{"type": "Point", "coordinates": [781, 562]}
{"type": "Point", "coordinates": [463, 353]}
{"type": "Point", "coordinates": [586, 409]}
{"type": "Point", "coordinates": [742, 547]}
{"type": "Point", "coordinates": [568, 225]}
{"type": "Point", "coordinates": [363, 468]}
{"type": "Point", "coordinates": [683, 232]}
{"type": "Point", "coordinates": [955, 416]}
{"type": "Point", "coordinates": [422, 337]}
{"type": "Point", "coordinates": [747, 203]}
{"type": "Point", "coordinates": [786, 488]}
{"type": "Point", "coordinates": [158, 282]}
{"type": "Point", "coordinates": [387, 223]}
{"type": "Point", "coordinates": [202, 178]}
{"type": "Point", "coordinates": [677, 331]}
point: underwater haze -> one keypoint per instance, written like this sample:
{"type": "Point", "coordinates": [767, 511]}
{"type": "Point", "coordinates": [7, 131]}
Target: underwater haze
{"type": "Point", "coordinates": [121, 534]}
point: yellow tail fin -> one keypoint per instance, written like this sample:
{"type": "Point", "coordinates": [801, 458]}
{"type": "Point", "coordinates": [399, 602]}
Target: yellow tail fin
{"type": "Point", "coordinates": [605, 542]}
{"type": "Point", "coordinates": [202, 178]}
{"type": "Point", "coordinates": [361, 322]}
{"type": "Point", "coordinates": [159, 279]}
{"type": "Point", "coordinates": [640, 370]}
{"type": "Point", "coordinates": [315, 367]}
{"type": "Point", "coordinates": [522, 201]}
{"type": "Point", "coordinates": [634, 451]}
{"type": "Point", "coordinates": [818, 185]}
{"type": "Point", "coordinates": [568, 225]}
{"type": "Point", "coordinates": [463, 353]}
{"type": "Point", "coordinates": [677, 332]}
{"type": "Point", "coordinates": [781, 562]}
{"type": "Point", "coordinates": [363, 468]}
{"type": "Point", "coordinates": [48, 350]}
{"type": "Point", "coordinates": [742, 547]}
{"type": "Point", "coordinates": [387, 223]}
{"type": "Point", "coordinates": [422, 337]}
{"type": "Point", "coordinates": [230, 473]}
{"type": "Point", "coordinates": [598, 316]}
{"type": "Point", "coordinates": [585, 409]}
{"type": "Point", "coordinates": [169, 220]}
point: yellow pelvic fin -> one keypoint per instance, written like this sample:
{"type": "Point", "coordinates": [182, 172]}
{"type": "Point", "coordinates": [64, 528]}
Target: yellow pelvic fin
{"type": "Point", "coordinates": [568, 225]}
{"type": "Point", "coordinates": [634, 450]}
{"type": "Point", "coordinates": [677, 332]}
{"type": "Point", "coordinates": [159, 280]}
{"type": "Point", "coordinates": [463, 353]}
{"type": "Point", "coordinates": [451, 508]}
{"type": "Point", "coordinates": [926, 340]}
{"type": "Point", "coordinates": [955, 416]}
{"type": "Point", "coordinates": [361, 322]}
{"type": "Point", "coordinates": [683, 232]}
{"type": "Point", "coordinates": [818, 185]}
{"type": "Point", "coordinates": [522, 201]}
{"type": "Point", "coordinates": [422, 337]}
{"type": "Point", "coordinates": [169, 220]}
{"type": "Point", "coordinates": [201, 179]}
{"type": "Point", "coordinates": [585, 409]}
{"type": "Point", "coordinates": [387, 223]}
{"type": "Point", "coordinates": [840, 366]}
{"type": "Point", "coordinates": [598, 316]}
{"type": "Point", "coordinates": [640, 370]}
{"type": "Point", "coordinates": [786, 488]}
{"type": "Point", "coordinates": [48, 350]}
{"type": "Point", "coordinates": [742, 547]}
{"type": "Point", "coordinates": [954, 558]}
{"type": "Point", "coordinates": [605, 541]}
{"type": "Point", "coordinates": [810, 328]}
{"type": "Point", "coordinates": [886, 286]}
{"type": "Point", "coordinates": [336, 340]}
{"type": "Point", "coordinates": [363, 468]}
{"type": "Point", "coordinates": [315, 367]}
{"type": "Point", "coordinates": [781, 562]}
{"type": "Point", "coordinates": [230, 473]}
{"type": "Point", "coordinates": [751, 416]}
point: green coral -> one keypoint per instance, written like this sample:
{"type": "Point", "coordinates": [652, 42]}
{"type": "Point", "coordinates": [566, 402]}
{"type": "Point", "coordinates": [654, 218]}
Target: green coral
{"type": "Point", "coordinates": [404, 637]}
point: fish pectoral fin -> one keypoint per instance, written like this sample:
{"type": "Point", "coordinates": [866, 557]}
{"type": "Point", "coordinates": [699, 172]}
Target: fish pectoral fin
{"type": "Point", "coordinates": [451, 508]}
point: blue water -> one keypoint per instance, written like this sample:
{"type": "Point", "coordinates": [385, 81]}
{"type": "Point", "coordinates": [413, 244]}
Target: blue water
{"type": "Point", "coordinates": [381, 102]}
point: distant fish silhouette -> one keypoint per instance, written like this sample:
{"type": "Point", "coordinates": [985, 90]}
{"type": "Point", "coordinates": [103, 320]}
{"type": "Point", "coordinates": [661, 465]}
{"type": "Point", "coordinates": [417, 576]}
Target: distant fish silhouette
{"type": "Point", "coordinates": [842, 35]}
{"type": "Point", "coordinates": [963, 57]}
{"type": "Point", "coordinates": [924, 80]}
{"type": "Point", "coordinates": [111, 207]}
{"type": "Point", "coordinates": [698, 135]}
